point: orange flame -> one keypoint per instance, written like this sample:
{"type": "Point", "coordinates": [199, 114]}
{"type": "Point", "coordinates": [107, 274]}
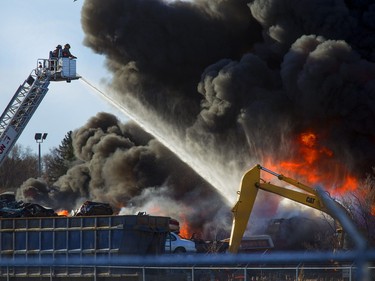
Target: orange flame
{"type": "Point", "coordinates": [315, 164]}
{"type": "Point", "coordinates": [64, 213]}
{"type": "Point", "coordinates": [185, 231]}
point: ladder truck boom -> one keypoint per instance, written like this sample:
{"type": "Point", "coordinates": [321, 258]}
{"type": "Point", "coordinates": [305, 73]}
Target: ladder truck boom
{"type": "Point", "coordinates": [28, 97]}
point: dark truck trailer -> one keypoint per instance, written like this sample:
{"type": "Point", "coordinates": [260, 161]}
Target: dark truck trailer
{"type": "Point", "coordinates": [77, 237]}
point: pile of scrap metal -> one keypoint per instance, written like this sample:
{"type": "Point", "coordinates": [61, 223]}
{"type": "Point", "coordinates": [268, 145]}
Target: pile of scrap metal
{"type": "Point", "coordinates": [90, 208]}
{"type": "Point", "coordinates": [10, 208]}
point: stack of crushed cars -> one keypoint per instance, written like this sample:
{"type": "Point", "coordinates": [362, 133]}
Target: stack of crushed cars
{"type": "Point", "coordinates": [10, 208]}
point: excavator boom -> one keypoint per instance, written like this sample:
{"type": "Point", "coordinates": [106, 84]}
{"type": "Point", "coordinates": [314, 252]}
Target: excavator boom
{"type": "Point", "coordinates": [242, 209]}
{"type": "Point", "coordinates": [251, 183]}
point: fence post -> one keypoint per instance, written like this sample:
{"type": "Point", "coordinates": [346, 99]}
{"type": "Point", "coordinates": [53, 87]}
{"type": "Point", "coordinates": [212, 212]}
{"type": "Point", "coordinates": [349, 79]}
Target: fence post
{"type": "Point", "coordinates": [297, 272]}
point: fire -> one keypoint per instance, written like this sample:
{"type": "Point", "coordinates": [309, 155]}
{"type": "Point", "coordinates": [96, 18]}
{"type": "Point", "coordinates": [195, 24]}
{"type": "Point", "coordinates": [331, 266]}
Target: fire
{"type": "Point", "coordinates": [314, 164]}
{"type": "Point", "coordinates": [310, 149]}
{"type": "Point", "coordinates": [63, 213]}
{"type": "Point", "coordinates": [185, 229]}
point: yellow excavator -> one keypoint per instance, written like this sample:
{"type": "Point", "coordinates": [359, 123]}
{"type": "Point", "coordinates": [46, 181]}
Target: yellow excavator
{"type": "Point", "coordinates": [313, 197]}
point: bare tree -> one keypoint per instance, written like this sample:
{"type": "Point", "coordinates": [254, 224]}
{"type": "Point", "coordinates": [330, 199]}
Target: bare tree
{"type": "Point", "coordinates": [20, 165]}
{"type": "Point", "coordinates": [361, 205]}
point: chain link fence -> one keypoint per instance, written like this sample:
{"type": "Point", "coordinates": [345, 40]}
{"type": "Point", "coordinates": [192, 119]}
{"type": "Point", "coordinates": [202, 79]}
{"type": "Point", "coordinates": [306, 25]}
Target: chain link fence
{"type": "Point", "coordinates": [283, 266]}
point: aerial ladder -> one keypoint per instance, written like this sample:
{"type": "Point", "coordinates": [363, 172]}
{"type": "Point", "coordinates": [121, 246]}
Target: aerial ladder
{"type": "Point", "coordinates": [28, 97]}
{"type": "Point", "coordinates": [316, 198]}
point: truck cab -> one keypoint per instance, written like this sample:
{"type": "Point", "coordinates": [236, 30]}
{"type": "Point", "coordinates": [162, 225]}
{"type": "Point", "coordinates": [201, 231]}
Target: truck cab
{"type": "Point", "coordinates": [176, 244]}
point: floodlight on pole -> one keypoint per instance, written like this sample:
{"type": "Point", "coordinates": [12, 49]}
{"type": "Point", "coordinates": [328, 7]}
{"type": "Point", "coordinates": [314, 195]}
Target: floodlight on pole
{"type": "Point", "coordinates": [39, 138]}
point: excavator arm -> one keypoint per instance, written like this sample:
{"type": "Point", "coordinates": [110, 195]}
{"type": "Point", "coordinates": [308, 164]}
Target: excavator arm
{"type": "Point", "coordinates": [250, 184]}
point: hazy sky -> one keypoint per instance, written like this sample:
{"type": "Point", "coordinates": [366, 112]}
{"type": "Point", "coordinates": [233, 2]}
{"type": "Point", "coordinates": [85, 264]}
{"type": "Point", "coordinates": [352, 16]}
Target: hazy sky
{"type": "Point", "coordinates": [28, 31]}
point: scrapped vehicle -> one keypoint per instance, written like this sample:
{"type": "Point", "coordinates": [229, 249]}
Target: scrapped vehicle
{"type": "Point", "coordinates": [174, 225]}
{"type": "Point", "coordinates": [254, 243]}
{"type": "Point", "coordinates": [90, 208]}
{"type": "Point", "coordinates": [10, 208]}
{"type": "Point", "coordinates": [7, 197]}
{"type": "Point", "coordinates": [175, 244]}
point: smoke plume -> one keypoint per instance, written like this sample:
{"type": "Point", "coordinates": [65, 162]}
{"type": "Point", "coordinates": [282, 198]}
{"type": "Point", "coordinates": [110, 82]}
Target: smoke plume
{"type": "Point", "coordinates": [238, 80]}
{"type": "Point", "coordinates": [126, 167]}
{"type": "Point", "coordinates": [224, 84]}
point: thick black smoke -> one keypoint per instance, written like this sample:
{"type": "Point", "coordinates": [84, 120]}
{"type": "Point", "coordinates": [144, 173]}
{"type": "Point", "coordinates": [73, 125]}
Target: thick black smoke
{"type": "Point", "coordinates": [240, 78]}
{"type": "Point", "coordinates": [126, 167]}
{"type": "Point", "coordinates": [225, 84]}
